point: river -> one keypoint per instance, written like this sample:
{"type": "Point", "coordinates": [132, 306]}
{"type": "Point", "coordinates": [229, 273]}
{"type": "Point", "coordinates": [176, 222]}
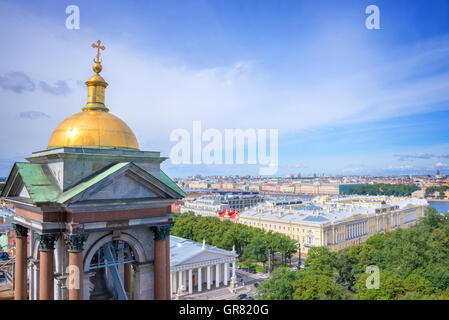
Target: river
{"type": "Point", "coordinates": [442, 207]}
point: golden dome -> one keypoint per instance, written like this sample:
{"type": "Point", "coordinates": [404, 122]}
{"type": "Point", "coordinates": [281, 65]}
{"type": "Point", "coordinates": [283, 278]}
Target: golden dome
{"type": "Point", "coordinates": [94, 126]}
{"type": "Point", "coordinates": [93, 129]}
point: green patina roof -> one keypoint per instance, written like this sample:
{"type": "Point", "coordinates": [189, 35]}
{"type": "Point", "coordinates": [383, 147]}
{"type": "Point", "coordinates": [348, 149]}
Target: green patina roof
{"type": "Point", "coordinates": [171, 184]}
{"type": "Point", "coordinates": [38, 183]}
{"type": "Point", "coordinates": [86, 184]}
{"type": "Point", "coordinates": [41, 187]}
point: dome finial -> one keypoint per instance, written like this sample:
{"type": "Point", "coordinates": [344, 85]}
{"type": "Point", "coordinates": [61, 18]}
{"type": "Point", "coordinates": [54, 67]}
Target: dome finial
{"type": "Point", "coordinates": [97, 66]}
{"type": "Point", "coordinates": [96, 84]}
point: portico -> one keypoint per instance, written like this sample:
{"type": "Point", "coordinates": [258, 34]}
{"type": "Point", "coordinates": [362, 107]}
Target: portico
{"type": "Point", "coordinates": [196, 267]}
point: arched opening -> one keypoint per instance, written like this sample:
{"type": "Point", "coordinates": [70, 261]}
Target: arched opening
{"type": "Point", "coordinates": [112, 272]}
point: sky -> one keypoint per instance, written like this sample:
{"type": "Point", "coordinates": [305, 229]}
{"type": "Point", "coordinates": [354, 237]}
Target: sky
{"type": "Point", "coordinates": [345, 99]}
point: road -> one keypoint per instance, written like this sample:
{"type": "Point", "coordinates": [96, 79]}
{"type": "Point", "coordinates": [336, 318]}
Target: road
{"type": "Point", "coordinates": [246, 283]}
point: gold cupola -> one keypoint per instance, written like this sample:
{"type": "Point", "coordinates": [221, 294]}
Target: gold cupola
{"type": "Point", "coordinates": [94, 126]}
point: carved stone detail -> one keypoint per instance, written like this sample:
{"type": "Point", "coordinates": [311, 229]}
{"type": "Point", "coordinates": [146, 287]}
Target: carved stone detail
{"type": "Point", "coordinates": [47, 241]}
{"type": "Point", "coordinates": [161, 232]}
{"type": "Point", "coordinates": [20, 231]}
{"type": "Point", "coordinates": [75, 242]}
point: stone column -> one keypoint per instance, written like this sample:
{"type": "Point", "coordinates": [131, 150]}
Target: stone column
{"type": "Point", "coordinates": [167, 257]}
{"type": "Point", "coordinates": [31, 268]}
{"type": "Point", "coordinates": [175, 282]}
{"type": "Point", "coordinates": [217, 275]}
{"type": "Point", "coordinates": [75, 244]}
{"type": "Point", "coordinates": [190, 282]}
{"type": "Point", "coordinates": [46, 276]}
{"type": "Point", "coordinates": [200, 280]}
{"type": "Point", "coordinates": [20, 268]}
{"type": "Point", "coordinates": [208, 277]}
{"type": "Point", "coordinates": [184, 279]}
{"type": "Point", "coordinates": [225, 278]}
{"type": "Point", "coordinates": [180, 288]}
{"type": "Point", "coordinates": [161, 269]}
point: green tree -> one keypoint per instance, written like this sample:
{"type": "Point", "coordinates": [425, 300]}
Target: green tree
{"type": "Point", "coordinates": [279, 286]}
{"type": "Point", "coordinates": [418, 284]}
{"type": "Point", "coordinates": [352, 262]}
{"type": "Point", "coordinates": [391, 285]}
{"type": "Point", "coordinates": [321, 260]}
{"type": "Point", "coordinates": [315, 286]}
{"type": "Point", "coordinates": [255, 250]}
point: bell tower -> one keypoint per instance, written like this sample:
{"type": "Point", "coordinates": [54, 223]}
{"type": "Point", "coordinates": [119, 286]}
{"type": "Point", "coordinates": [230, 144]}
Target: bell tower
{"type": "Point", "coordinates": [96, 208]}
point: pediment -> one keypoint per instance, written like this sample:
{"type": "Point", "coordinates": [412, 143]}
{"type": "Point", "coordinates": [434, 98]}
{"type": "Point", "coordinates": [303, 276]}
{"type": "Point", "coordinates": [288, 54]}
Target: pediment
{"type": "Point", "coordinates": [123, 187]}
{"type": "Point", "coordinates": [122, 181]}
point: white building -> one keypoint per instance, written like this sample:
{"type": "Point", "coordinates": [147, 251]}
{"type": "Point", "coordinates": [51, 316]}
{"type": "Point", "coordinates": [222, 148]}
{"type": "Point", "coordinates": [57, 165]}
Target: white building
{"type": "Point", "coordinates": [204, 206]}
{"type": "Point", "coordinates": [195, 267]}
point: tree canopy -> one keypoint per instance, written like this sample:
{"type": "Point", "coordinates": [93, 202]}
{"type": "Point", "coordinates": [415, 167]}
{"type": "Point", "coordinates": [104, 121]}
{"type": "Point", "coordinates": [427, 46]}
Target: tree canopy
{"type": "Point", "coordinates": [250, 242]}
{"type": "Point", "coordinates": [413, 263]}
{"type": "Point", "coordinates": [382, 189]}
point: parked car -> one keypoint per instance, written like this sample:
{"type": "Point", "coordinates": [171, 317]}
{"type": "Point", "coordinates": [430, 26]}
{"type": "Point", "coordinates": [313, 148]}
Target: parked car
{"type": "Point", "coordinates": [251, 270]}
{"type": "Point", "coordinates": [4, 256]}
{"type": "Point", "coordinates": [256, 284]}
{"type": "Point", "coordinates": [242, 296]}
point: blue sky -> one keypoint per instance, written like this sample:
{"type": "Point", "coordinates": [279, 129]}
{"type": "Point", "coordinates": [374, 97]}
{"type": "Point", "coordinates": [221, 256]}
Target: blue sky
{"type": "Point", "coordinates": [344, 98]}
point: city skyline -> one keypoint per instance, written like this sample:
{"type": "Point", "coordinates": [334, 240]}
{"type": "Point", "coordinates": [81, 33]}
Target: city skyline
{"type": "Point", "coordinates": [346, 100]}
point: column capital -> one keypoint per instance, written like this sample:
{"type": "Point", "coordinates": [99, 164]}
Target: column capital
{"type": "Point", "coordinates": [47, 241]}
{"type": "Point", "coordinates": [75, 242]}
{"type": "Point", "coordinates": [161, 232]}
{"type": "Point", "coordinates": [20, 231]}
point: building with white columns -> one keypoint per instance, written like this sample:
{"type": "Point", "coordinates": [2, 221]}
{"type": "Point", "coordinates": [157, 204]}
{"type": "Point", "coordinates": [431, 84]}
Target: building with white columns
{"type": "Point", "coordinates": [196, 267]}
{"type": "Point", "coordinates": [335, 222]}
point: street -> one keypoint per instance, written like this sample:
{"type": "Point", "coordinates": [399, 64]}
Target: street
{"type": "Point", "coordinates": [246, 286]}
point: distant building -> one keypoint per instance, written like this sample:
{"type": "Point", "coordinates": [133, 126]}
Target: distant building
{"type": "Point", "coordinates": [419, 194]}
{"type": "Point", "coordinates": [211, 205]}
{"type": "Point", "coordinates": [336, 222]}
{"type": "Point", "coordinates": [317, 189]}
{"type": "Point", "coordinates": [229, 214]}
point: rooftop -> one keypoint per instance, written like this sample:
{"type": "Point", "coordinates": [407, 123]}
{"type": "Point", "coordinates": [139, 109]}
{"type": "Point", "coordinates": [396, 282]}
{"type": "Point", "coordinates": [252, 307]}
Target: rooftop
{"type": "Point", "coordinates": [183, 249]}
{"type": "Point", "coordinates": [322, 210]}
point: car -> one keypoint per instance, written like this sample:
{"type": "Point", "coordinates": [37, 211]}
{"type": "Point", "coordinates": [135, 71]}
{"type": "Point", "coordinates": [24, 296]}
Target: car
{"type": "Point", "coordinates": [256, 284]}
{"type": "Point", "coordinates": [242, 296]}
{"type": "Point", "coordinates": [251, 270]}
{"type": "Point", "coordinates": [4, 256]}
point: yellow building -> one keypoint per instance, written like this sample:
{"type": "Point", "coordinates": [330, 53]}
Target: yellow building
{"type": "Point", "coordinates": [336, 222]}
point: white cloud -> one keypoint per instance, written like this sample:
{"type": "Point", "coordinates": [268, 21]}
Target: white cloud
{"type": "Point", "coordinates": [155, 97]}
